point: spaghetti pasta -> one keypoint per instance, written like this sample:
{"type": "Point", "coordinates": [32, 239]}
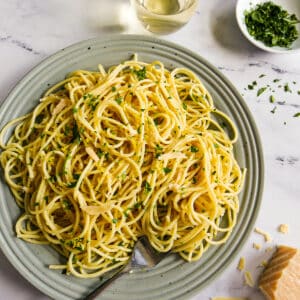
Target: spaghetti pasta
{"type": "Point", "coordinates": [106, 157]}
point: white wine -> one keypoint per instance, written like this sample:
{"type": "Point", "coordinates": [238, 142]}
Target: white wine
{"type": "Point", "coordinates": [164, 16]}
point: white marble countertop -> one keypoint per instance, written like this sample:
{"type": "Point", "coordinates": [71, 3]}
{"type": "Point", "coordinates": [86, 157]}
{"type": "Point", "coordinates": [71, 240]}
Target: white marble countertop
{"type": "Point", "coordinates": [31, 30]}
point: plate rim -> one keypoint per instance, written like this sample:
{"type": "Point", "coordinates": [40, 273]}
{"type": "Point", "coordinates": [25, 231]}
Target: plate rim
{"type": "Point", "coordinates": [9, 253]}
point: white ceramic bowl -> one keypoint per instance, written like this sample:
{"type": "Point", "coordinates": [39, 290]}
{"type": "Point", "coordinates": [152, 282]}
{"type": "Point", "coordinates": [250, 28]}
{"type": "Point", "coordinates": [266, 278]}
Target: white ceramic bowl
{"type": "Point", "coordinates": [292, 6]}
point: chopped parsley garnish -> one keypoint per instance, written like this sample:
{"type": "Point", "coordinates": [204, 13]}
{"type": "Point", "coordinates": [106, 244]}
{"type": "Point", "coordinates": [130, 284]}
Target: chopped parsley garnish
{"type": "Point", "coordinates": [287, 88]}
{"type": "Point", "coordinates": [167, 170]}
{"type": "Point", "coordinates": [66, 204]}
{"type": "Point", "coordinates": [140, 74]}
{"type": "Point", "coordinates": [272, 99]}
{"type": "Point", "coordinates": [72, 184]}
{"type": "Point", "coordinates": [76, 135]}
{"type": "Point", "coordinates": [296, 115]}
{"type": "Point", "coordinates": [74, 110]}
{"type": "Point", "coordinates": [67, 130]}
{"type": "Point", "coordinates": [194, 149]}
{"type": "Point", "coordinates": [119, 99]}
{"type": "Point", "coordinates": [184, 105]}
{"type": "Point", "coordinates": [115, 221]}
{"type": "Point", "coordinates": [147, 187]}
{"type": "Point", "coordinates": [260, 91]}
{"type": "Point", "coordinates": [272, 25]}
{"type": "Point", "coordinates": [158, 151]}
{"type": "Point", "coordinates": [273, 110]}
{"type": "Point", "coordinates": [113, 89]}
{"type": "Point", "coordinates": [137, 205]}
{"type": "Point", "coordinates": [39, 119]}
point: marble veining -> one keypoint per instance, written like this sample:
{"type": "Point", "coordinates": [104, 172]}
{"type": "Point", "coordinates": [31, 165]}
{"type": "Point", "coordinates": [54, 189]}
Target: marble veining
{"type": "Point", "coordinates": [31, 30]}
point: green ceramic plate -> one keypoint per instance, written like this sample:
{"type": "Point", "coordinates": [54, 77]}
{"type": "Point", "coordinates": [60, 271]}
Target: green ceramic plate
{"type": "Point", "coordinates": [173, 278]}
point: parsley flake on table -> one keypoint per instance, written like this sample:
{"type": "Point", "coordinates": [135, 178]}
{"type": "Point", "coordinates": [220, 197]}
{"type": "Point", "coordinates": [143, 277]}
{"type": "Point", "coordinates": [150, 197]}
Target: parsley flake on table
{"type": "Point", "coordinates": [260, 91]}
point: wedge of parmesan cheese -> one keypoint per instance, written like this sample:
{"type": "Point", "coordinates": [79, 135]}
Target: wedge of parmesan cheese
{"type": "Point", "coordinates": [281, 278]}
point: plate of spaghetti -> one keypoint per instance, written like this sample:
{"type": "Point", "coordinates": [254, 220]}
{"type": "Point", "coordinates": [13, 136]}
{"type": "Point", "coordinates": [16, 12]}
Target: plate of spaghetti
{"type": "Point", "coordinates": [112, 139]}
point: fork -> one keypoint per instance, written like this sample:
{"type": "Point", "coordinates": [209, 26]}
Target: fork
{"type": "Point", "coordinates": [143, 255]}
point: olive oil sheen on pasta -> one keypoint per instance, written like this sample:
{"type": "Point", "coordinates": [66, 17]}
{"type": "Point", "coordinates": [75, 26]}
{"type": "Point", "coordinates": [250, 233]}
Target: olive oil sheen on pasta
{"type": "Point", "coordinates": [164, 16]}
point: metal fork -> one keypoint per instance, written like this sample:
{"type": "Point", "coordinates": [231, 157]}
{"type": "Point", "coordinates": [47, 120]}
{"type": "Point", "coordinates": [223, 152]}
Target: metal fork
{"type": "Point", "coordinates": [143, 255]}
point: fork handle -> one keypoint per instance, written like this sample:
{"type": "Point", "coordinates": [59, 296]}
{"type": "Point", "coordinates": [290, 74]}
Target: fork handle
{"type": "Point", "coordinates": [93, 295]}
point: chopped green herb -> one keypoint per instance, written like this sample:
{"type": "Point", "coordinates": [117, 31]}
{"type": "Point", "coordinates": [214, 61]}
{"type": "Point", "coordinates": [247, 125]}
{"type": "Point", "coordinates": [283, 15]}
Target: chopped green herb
{"type": "Point", "coordinates": [273, 110]}
{"type": "Point", "coordinates": [298, 92]}
{"type": "Point", "coordinates": [250, 87]}
{"type": "Point", "coordinates": [140, 74]}
{"type": "Point", "coordinates": [147, 187]}
{"type": "Point", "coordinates": [36, 203]}
{"type": "Point", "coordinates": [194, 149]}
{"type": "Point", "coordinates": [296, 115]}
{"type": "Point", "coordinates": [276, 80]}
{"type": "Point", "coordinates": [113, 89]}
{"type": "Point", "coordinates": [158, 151]}
{"type": "Point", "coordinates": [100, 153]}
{"type": "Point", "coordinates": [39, 119]}
{"type": "Point", "coordinates": [76, 136]}
{"type": "Point", "coordinates": [272, 25]}
{"type": "Point", "coordinates": [156, 121]}
{"type": "Point", "coordinates": [184, 105]}
{"type": "Point", "coordinates": [287, 88]}
{"type": "Point", "coordinates": [260, 91]}
{"type": "Point", "coordinates": [194, 180]}
{"type": "Point", "coordinates": [72, 184]}
{"type": "Point", "coordinates": [67, 130]}
{"type": "Point", "coordinates": [272, 99]}
{"type": "Point", "coordinates": [74, 110]}
{"type": "Point", "coordinates": [53, 179]}
{"type": "Point", "coordinates": [66, 204]}
{"type": "Point", "coordinates": [115, 221]}
{"type": "Point", "coordinates": [167, 170]}
{"type": "Point", "coordinates": [76, 176]}
{"type": "Point", "coordinates": [261, 75]}
{"type": "Point", "coordinates": [137, 205]}
{"type": "Point", "coordinates": [119, 99]}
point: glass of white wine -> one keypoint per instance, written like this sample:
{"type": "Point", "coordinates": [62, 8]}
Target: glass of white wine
{"type": "Point", "coordinates": [164, 16]}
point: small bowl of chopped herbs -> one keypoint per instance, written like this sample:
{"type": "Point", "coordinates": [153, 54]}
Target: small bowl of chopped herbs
{"type": "Point", "coordinates": [273, 26]}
